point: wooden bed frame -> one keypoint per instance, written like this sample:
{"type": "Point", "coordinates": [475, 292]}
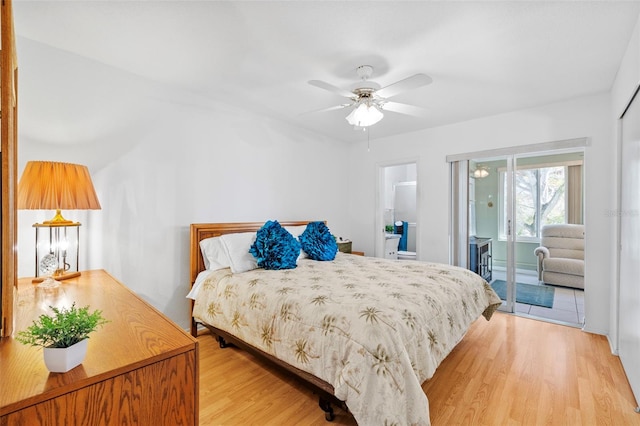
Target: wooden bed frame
{"type": "Point", "coordinates": [200, 231]}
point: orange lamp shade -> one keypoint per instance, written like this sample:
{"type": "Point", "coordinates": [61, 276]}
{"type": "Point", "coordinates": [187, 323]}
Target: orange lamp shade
{"type": "Point", "coordinates": [47, 185]}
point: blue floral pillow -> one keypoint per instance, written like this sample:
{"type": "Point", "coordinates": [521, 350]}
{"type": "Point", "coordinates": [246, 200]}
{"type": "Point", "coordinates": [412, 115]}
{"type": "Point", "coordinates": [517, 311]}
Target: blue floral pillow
{"type": "Point", "coordinates": [318, 242]}
{"type": "Point", "coordinates": [275, 248]}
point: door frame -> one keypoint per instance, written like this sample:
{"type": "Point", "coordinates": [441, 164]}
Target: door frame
{"type": "Point", "coordinates": [379, 240]}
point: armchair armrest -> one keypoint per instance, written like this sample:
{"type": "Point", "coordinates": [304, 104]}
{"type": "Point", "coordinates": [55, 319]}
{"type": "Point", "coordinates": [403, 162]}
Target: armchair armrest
{"type": "Point", "coordinates": [541, 252]}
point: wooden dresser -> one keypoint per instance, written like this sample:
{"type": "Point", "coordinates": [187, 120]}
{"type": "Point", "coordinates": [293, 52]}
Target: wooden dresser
{"type": "Point", "coordinates": [140, 369]}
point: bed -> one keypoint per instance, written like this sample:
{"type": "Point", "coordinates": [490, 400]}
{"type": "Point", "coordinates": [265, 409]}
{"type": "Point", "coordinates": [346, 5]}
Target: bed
{"type": "Point", "coordinates": [363, 332]}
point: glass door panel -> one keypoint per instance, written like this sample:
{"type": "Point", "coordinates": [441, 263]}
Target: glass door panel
{"type": "Point", "coordinates": [489, 212]}
{"type": "Point", "coordinates": [542, 190]}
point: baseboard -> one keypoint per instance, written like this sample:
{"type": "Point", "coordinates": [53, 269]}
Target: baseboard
{"type": "Point", "coordinates": [545, 319]}
{"type": "Point", "coordinates": [601, 332]}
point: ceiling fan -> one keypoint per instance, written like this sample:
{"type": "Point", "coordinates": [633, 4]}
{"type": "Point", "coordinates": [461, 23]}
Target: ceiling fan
{"type": "Point", "coordinates": [369, 100]}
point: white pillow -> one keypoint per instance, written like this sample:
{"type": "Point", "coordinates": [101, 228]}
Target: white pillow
{"type": "Point", "coordinates": [202, 276]}
{"type": "Point", "coordinates": [296, 231]}
{"type": "Point", "coordinates": [214, 254]}
{"type": "Point", "coordinates": [237, 247]}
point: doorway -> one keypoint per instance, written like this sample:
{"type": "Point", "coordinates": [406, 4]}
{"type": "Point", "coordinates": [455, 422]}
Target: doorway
{"type": "Point", "coordinates": [511, 199]}
{"type": "Point", "coordinates": [397, 217]}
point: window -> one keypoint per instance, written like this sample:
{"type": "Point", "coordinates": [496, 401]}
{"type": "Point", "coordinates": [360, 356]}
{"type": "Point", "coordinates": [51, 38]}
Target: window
{"type": "Point", "coordinates": [540, 200]}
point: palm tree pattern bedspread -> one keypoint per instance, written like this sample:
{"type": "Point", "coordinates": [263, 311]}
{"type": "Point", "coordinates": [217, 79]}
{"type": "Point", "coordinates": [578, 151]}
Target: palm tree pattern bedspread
{"type": "Point", "coordinates": [375, 329]}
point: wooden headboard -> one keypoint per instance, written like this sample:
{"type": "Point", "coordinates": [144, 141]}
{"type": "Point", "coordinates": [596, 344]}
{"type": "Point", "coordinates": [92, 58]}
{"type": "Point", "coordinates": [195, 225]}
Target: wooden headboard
{"type": "Point", "coordinates": [200, 231]}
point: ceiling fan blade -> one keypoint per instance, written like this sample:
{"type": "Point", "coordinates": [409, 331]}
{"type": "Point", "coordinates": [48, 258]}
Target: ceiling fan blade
{"type": "Point", "coordinates": [333, 108]}
{"type": "Point", "coordinates": [404, 85]}
{"type": "Point", "coordinates": [404, 109]}
{"type": "Point", "coordinates": [331, 88]}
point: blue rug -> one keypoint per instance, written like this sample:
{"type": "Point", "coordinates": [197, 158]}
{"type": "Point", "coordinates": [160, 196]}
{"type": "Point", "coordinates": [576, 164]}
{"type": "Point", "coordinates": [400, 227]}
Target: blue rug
{"type": "Point", "coordinates": [538, 295]}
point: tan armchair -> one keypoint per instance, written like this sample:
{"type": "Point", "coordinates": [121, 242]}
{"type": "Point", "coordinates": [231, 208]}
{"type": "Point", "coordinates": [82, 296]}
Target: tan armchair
{"type": "Point", "coordinates": [561, 255]}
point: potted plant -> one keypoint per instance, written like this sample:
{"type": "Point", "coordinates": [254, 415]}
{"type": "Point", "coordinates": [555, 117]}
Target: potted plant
{"type": "Point", "coordinates": [63, 336]}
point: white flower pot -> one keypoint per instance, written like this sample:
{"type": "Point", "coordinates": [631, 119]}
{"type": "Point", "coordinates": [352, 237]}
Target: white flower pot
{"type": "Point", "coordinates": [61, 360]}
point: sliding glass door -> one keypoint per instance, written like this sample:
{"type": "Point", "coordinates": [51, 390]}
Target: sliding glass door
{"type": "Point", "coordinates": [482, 206]}
{"type": "Point", "coordinates": [493, 222]}
{"type": "Point", "coordinates": [500, 204]}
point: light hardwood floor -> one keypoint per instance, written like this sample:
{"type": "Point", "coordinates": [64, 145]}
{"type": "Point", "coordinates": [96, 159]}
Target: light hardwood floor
{"type": "Point", "coordinates": [508, 371]}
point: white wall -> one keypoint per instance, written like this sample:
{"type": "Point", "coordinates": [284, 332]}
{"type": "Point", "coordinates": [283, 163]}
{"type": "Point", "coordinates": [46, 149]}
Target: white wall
{"type": "Point", "coordinates": [584, 117]}
{"type": "Point", "coordinates": [393, 175]}
{"type": "Point", "coordinates": [179, 159]}
{"type": "Point", "coordinates": [208, 166]}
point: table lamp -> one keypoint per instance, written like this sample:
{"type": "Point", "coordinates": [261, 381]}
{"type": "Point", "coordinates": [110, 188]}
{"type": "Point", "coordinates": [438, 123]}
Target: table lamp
{"type": "Point", "coordinates": [47, 185]}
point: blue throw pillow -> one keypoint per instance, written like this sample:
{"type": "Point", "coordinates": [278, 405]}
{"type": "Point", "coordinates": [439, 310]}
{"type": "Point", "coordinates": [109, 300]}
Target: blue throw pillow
{"type": "Point", "coordinates": [275, 248]}
{"type": "Point", "coordinates": [318, 242]}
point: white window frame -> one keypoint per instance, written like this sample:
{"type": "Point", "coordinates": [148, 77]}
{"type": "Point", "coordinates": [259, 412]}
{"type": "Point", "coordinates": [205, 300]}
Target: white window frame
{"type": "Point", "coordinates": [501, 200]}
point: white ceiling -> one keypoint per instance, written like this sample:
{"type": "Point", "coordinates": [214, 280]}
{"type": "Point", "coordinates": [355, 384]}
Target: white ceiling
{"type": "Point", "coordinates": [485, 58]}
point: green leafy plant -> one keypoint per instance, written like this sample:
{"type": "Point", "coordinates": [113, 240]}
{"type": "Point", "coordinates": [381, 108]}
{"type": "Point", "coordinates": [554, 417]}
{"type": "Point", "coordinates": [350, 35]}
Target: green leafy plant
{"type": "Point", "coordinates": [64, 328]}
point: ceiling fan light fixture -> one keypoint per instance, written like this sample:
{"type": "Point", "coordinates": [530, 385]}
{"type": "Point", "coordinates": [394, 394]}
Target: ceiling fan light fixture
{"type": "Point", "coordinates": [364, 115]}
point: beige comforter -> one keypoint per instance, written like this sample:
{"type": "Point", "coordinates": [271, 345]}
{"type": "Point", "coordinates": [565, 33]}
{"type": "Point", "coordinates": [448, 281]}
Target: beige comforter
{"type": "Point", "coordinates": [373, 328]}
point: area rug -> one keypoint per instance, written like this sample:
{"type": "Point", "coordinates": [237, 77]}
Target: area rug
{"type": "Point", "coordinates": [538, 295]}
